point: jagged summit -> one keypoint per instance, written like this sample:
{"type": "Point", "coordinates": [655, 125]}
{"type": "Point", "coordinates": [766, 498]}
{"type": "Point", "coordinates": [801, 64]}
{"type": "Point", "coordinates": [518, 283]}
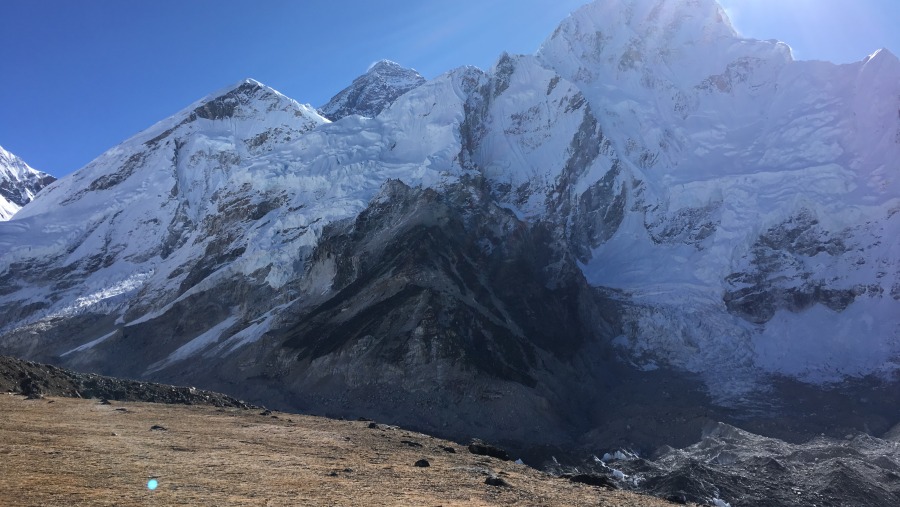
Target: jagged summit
{"type": "Point", "coordinates": [883, 54]}
{"type": "Point", "coordinates": [244, 88]}
{"type": "Point", "coordinates": [241, 95]}
{"type": "Point", "coordinates": [246, 98]}
{"type": "Point", "coordinates": [679, 15]}
{"type": "Point", "coordinates": [372, 92]}
{"type": "Point", "coordinates": [650, 23]}
{"type": "Point", "coordinates": [386, 66]}
{"type": "Point", "coordinates": [677, 41]}
{"type": "Point", "coordinates": [19, 183]}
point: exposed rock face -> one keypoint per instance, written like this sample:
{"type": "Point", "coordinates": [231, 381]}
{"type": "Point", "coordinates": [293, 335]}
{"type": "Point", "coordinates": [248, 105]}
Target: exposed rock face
{"type": "Point", "coordinates": [445, 275]}
{"type": "Point", "coordinates": [439, 314]}
{"type": "Point", "coordinates": [783, 274]}
{"type": "Point", "coordinates": [372, 92]}
{"type": "Point", "coordinates": [19, 183]}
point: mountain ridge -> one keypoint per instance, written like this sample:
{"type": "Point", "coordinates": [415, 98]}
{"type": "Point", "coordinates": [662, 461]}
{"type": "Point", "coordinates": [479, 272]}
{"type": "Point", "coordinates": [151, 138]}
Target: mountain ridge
{"type": "Point", "coordinates": [580, 217]}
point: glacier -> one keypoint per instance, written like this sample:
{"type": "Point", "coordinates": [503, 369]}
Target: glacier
{"type": "Point", "coordinates": [736, 207]}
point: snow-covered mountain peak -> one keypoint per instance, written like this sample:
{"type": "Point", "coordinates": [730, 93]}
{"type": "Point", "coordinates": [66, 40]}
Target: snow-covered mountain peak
{"type": "Point", "coordinates": [652, 27]}
{"type": "Point", "coordinates": [391, 70]}
{"type": "Point", "coordinates": [881, 53]}
{"type": "Point", "coordinates": [18, 183]}
{"type": "Point", "coordinates": [372, 92]}
{"type": "Point", "coordinates": [12, 166]}
{"type": "Point", "coordinates": [232, 125]}
{"type": "Point", "coordinates": [651, 44]}
{"type": "Point", "coordinates": [388, 67]}
{"type": "Point", "coordinates": [245, 99]}
{"type": "Point", "coordinates": [663, 64]}
{"type": "Point", "coordinates": [883, 61]}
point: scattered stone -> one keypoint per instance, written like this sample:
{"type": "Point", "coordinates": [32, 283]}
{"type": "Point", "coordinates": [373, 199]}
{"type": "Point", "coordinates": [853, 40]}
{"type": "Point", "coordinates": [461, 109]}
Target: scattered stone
{"type": "Point", "coordinates": [348, 470]}
{"type": "Point", "coordinates": [495, 481]}
{"type": "Point", "coordinates": [422, 463]}
{"type": "Point", "coordinates": [373, 426]}
{"type": "Point", "coordinates": [114, 434]}
{"type": "Point", "coordinates": [30, 388]}
{"type": "Point", "coordinates": [449, 449]}
{"type": "Point", "coordinates": [363, 419]}
{"type": "Point", "coordinates": [104, 401]}
{"type": "Point", "coordinates": [594, 480]}
{"type": "Point", "coordinates": [678, 498]}
{"type": "Point", "coordinates": [333, 474]}
{"type": "Point", "coordinates": [411, 443]}
{"type": "Point", "coordinates": [482, 449]}
{"type": "Point", "coordinates": [266, 412]}
{"type": "Point", "coordinates": [121, 410]}
{"type": "Point", "coordinates": [157, 427]}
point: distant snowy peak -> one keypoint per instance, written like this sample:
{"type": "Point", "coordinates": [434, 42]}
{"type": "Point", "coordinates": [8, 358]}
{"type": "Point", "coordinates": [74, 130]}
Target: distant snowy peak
{"type": "Point", "coordinates": [238, 123]}
{"type": "Point", "coordinates": [247, 100]}
{"type": "Point", "coordinates": [235, 99]}
{"type": "Point", "coordinates": [372, 92]}
{"type": "Point", "coordinates": [18, 183]}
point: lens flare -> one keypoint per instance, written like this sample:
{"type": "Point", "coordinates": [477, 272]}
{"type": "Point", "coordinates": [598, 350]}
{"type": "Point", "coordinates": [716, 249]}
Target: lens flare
{"type": "Point", "coordinates": [152, 484]}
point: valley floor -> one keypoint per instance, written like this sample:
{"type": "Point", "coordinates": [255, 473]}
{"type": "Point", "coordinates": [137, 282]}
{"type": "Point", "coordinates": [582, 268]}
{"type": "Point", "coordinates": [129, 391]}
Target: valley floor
{"type": "Point", "coordinates": [65, 451]}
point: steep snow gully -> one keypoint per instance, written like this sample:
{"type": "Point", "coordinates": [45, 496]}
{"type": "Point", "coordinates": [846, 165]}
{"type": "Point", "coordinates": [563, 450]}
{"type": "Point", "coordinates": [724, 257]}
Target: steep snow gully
{"type": "Point", "coordinates": [648, 200]}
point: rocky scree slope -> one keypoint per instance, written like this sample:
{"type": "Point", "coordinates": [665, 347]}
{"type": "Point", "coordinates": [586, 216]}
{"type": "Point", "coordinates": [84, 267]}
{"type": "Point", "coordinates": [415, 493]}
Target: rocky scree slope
{"type": "Point", "coordinates": [517, 244]}
{"type": "Point", "coordinates": [738, 468]}
{"type": "Point", "coordinates": [19, 183]}
{"type": "Point", "coordinates": [36, 381]}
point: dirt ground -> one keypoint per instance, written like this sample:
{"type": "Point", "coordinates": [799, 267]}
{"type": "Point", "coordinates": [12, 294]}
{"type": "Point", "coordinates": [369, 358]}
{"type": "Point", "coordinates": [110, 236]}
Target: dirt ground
{"type": "Point", "coordinates": [64, 451]}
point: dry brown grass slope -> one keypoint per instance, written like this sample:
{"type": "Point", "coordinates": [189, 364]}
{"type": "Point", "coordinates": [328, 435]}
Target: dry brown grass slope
{"type": "Point", "coordinates": [64, 451]}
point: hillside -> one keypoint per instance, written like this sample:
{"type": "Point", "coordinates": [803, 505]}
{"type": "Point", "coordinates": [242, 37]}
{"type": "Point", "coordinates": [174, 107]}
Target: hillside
{"type": "Point", "coordinates": [58, 445]}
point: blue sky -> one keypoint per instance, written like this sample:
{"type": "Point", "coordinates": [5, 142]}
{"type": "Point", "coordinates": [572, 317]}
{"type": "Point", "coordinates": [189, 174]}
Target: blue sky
{"type": "Point", "coordinates": [81, 76]}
